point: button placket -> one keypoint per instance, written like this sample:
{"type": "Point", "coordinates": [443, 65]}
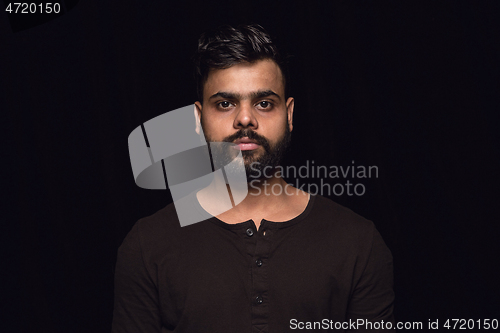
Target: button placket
{"type": "Point", "coordinates": [260, 284]}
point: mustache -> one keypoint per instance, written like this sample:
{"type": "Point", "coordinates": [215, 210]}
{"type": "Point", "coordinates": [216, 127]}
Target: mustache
{"type": "Point", "coordinates": [251, 135]}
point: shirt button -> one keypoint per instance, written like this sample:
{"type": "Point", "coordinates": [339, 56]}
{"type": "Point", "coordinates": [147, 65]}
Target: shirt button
{"type": "Point", "coordinates": [249, 232]}
{"type": "Point", "coordinates": [258, 262]}
{"type": "Point", "coordinates": [259, 300]}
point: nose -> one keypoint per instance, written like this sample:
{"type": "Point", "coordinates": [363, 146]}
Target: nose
{"type": "Point", "coordinates": [245, 117]}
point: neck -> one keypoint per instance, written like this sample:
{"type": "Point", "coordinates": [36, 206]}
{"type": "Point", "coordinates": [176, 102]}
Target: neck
{"type": "Point", "coordinates": [263, 194]}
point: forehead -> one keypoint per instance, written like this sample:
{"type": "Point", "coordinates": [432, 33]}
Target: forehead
{"type": "Point", "coordinates": [246, 77]}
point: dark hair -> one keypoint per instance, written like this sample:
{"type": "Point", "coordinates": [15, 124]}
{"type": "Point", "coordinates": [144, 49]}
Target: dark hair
{"type": "Point", "coordinates": [227, 46]}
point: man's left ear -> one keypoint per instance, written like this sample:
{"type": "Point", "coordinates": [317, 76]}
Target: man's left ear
{"type": "Point", "coordinates": [289, 109]}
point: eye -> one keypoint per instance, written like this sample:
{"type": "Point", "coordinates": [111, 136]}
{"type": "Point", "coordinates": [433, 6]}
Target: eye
{"type": "Point", "coordinates": [265, 105]}
{"type": "Point", "coordinates": [224, 105]}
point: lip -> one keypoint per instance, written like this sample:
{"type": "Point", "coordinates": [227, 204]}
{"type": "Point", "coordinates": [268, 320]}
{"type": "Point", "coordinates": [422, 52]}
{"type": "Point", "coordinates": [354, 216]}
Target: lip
{"type": "Point", "coordinates": [247, 144]}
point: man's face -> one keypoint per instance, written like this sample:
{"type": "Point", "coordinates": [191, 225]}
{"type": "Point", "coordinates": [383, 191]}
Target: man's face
{"type": "Point", "coordinates": [245, 104]}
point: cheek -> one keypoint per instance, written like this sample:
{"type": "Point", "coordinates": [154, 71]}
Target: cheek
{"type": "Point", "coordinates": [277, 130]}
{"type": "Point", "coordinates": [279, 124]}
{"type": "Point", "coordinates": [208, 121]}
{"type": "Point", "coordinates": [213, 128]}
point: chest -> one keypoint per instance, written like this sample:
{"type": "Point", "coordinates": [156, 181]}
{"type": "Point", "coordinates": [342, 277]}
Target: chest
{"type": "Point", "coordinates": [239, 274]}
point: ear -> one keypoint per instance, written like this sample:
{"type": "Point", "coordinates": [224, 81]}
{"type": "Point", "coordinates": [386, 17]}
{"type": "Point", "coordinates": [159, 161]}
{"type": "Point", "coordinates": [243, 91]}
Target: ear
{"type": "Point", "coordinates": [289, 109]}
{"type": "Point", "coordinates": [197, 116]}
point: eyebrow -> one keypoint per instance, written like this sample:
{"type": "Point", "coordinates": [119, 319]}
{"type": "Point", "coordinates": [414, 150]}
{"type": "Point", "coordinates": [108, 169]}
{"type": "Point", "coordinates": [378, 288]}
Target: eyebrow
{"type": "Point", "coordinates": [253, 95]}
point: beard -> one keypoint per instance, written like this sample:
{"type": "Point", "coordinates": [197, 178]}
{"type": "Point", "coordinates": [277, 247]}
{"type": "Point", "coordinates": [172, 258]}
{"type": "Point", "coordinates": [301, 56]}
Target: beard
{"type": "Point", "coordinates": [257, 165]}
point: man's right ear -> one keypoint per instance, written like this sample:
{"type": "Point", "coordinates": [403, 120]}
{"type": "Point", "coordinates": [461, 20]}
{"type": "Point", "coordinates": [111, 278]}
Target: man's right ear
{"type": "Point", "coordinates": [197, 115]}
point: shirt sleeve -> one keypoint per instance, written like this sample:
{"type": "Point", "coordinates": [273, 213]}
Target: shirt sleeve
{"type": "Point", "coordinates": [136, 307]}
{"type": "Point", "coordinates": [372, 299]}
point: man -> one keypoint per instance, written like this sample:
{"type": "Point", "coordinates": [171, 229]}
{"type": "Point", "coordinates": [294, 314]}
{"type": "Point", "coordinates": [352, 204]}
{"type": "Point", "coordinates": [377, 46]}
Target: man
{"type": "Point", "coordinates": [279, 260]}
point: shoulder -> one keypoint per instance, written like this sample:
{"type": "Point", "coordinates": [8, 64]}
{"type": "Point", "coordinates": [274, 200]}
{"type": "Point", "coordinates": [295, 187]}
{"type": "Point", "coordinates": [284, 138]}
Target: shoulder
{"type": "Point", "coordinates": [341, 225]}
{"type": "Point", "coordinates": [163, 222]}
{"type": "Point", "coordinates": [331, 214]}
{"type": "Point", "coordinates": [346, 234]}
{"type": "Point", "coordinates": [153, 234]}
{"type": "Point", "coordinates": [161, 233]}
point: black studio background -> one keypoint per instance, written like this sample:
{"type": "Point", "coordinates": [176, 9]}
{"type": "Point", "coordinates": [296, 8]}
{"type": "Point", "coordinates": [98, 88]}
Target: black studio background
{"type": "Point", "coordinates": [409, 86]}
